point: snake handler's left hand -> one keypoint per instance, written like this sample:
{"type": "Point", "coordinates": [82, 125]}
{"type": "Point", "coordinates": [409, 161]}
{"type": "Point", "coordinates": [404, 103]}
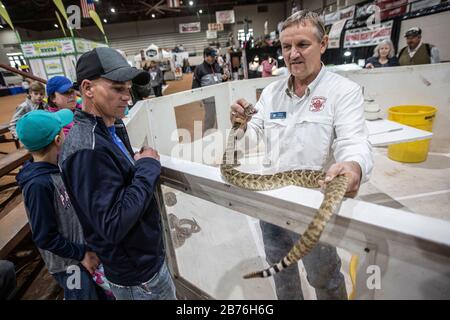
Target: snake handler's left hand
{"type": "Point", "coordinates": [351, 169]}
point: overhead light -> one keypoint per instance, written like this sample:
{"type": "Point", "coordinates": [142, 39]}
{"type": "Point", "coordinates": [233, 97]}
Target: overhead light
{"type": "Point", "coordinates": [280, 58]}
{"type": "Point", "coordinates": [56, 26]}
{"type": "Point", "coordinates": [191, 3]}
{"type": "Point", "coordinates": [347, 53]}
{"type": "Point", "coordinates": [105, 21]}
{"type": "Point", "coordinates": [153, 15]}
{"type": "Point", "coordinates": [181, 2]}
{"type": "Point", "coordinates": [113, 10]}
{"type": "Point", "coordinates": [200, 11]}
{"type": "Point", "coordinates": [1, 27]}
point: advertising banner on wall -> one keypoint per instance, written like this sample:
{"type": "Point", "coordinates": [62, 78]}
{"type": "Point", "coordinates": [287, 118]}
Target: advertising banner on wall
{"type": "Point", "coordinates": [391, 8]}
{"type": "Point", "coordinates": [332, 17]}
{"type": "Point", "coordinates": [47, 48]}
{"type": "Point", "coordinates": [226, 16]}
{"type": "Point", "coordinates": [53, 66]}
{"type": "Point", "coordinates": [211, 34]}
{"type": "Point", "coordinates": [347, 13]}
{"type": "Point", "coordinates": [87, 45]}
{"type": "Point", "coordinates": [368, 36]}
{"type": "Point", "coordinates": [335, 34]}
{"type": "Point", "coordinates": [423, 4]}
{"type": "Point", "coordinates": [190, 27]}
{"type": "Point", "coordinates": [215, 26]}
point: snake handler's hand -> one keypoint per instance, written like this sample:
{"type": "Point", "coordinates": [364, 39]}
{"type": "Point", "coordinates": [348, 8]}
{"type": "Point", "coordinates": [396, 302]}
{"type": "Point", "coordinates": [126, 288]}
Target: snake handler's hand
{"type": "Point", "coordinates": [351, 169]}
{"type": "Point", "coordinates": [237, 114]}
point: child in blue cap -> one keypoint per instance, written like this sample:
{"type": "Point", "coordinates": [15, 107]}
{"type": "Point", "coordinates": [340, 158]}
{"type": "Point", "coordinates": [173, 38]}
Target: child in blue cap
{"type": "Point", "coordinates": [54, 225]}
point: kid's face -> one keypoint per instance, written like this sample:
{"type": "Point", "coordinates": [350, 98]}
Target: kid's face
{"type": "Point", "coordinates": [67, 100]}
{"type": "Point", "coordinates": [36, 97]}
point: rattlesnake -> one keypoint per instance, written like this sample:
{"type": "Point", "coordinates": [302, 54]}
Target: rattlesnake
{"type": "Point", "coordinates": [333, 195]}
{"type": "Point", "coordinates": [178, 231]}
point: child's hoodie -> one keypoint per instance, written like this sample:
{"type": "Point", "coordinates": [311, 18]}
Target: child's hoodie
{"type": "Point", "coordinates": [54, 224]}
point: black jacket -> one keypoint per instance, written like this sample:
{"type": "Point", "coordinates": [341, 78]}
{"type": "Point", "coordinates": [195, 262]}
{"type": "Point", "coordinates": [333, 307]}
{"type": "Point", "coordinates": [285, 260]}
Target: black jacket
{"type": "Point", "coordinates": [206, 74]}
{"type": "Point", "coordinates": [114, 200]}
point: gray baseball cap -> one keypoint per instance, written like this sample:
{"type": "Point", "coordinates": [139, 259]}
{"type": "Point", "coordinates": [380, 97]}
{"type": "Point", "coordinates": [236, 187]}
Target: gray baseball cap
{"type": "Point", "coordinates": [108, 63]}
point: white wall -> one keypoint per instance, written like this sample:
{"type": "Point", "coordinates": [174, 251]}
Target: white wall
{"type": "Point", "coordinates": [435, 30]}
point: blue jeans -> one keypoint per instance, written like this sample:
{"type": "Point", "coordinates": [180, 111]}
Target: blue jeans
{"type": "Point", "coordinates": [322, 264]}
{"type": "Point", "coordinates": [88, 290]}
{"type": "Point", "coordinates": [7, 279]}
{"type": "Point", "coordinates": [159, 287]}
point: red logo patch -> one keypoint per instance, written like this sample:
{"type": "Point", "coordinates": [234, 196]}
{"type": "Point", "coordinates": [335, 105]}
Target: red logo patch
{"type": "Point", "coordinates": [317, 104]}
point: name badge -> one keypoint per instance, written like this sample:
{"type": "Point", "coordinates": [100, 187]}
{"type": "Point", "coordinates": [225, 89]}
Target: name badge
{"type": "Point", "coordinates": [278, 115]}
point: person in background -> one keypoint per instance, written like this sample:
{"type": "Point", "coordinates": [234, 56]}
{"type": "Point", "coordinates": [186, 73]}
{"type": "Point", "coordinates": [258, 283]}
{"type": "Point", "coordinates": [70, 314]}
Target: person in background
{"type": "Point", "coordinates": [156, 78]}
{"type": "Point", "coordinates": [33, 101]}
{"type": "Point", "coordinates": [7, 279]}
{"type": "Point", "coordinates": [267, 66]}
{"type": "Point", "coordinates": [416, 51]}
{"type": "Point", "coordinates": [186, 66]}
{"type": "Point", "coordinates": [62, 95]}
{"type": "Point", "coordinates": [206, 74]}
{"type": "Point", "coordinates": [54, 224]}
{"type": "Point", "coordinates": [383, 56]}
{"type": "Point", "coordinates": [253, 68]}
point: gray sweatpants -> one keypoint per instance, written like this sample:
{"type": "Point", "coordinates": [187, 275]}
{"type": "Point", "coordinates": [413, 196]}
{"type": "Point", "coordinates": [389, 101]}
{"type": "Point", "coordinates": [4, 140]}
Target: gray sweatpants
{"type": "Point", "coordinates": [322, 266]}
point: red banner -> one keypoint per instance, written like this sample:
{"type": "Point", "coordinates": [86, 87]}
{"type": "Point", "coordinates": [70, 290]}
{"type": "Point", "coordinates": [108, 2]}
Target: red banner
{"type": "Point", "coordinates": [392, 8]}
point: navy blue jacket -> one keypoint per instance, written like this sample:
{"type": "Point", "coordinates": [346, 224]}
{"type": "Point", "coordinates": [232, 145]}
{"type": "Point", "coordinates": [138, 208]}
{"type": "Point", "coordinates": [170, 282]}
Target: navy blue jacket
{"type": "Point", "coordinates": [54, 224]}
{"type": "Point", "coordinates": [114, 200]}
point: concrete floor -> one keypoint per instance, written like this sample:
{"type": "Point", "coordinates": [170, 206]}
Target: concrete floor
{"type": "Point", "coordinates": [422, 188]}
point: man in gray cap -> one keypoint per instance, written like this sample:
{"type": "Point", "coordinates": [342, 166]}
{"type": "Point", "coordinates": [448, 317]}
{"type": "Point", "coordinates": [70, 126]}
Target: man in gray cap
{"type": "Point", "coordinates": [417, 52]}
{"type": "Point", "coordinates": [110, 186]}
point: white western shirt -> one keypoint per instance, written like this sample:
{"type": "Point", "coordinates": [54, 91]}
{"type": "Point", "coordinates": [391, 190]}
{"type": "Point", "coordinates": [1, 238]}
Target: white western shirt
{"type": "Point", "coordinates": [324, 126]}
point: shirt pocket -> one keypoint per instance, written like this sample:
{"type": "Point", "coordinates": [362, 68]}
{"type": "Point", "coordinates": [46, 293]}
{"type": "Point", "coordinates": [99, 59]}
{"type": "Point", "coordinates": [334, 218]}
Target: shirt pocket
{"type": "Point", "coordinates": [315, 136]}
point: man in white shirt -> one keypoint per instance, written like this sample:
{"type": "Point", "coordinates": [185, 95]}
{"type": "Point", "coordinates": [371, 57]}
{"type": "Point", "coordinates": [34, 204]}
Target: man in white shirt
{"type": "Point", "coordinates": [314, 119]}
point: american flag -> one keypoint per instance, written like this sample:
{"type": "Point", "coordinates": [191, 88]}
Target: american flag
{"type": "Point", "coordinates": [87, 5]}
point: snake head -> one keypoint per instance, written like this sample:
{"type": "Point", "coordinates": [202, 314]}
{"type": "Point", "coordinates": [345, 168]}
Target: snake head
{"type": "Point", "coordinates": [250, 110]}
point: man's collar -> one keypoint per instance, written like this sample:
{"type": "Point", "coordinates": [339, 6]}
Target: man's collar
{"type": "Point", "coordinates": [290, 90]}
{"type": "Point", "coordinates": [417, 48]}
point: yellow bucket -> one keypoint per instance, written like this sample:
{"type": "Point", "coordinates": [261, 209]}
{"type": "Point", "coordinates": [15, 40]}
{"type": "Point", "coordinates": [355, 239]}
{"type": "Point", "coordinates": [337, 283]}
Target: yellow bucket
{"type": "Point", "coordinates": [420, 117]}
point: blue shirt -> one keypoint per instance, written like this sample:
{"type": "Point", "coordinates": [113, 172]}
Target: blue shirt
{"type": "Point", "coordinates": [119, 143]}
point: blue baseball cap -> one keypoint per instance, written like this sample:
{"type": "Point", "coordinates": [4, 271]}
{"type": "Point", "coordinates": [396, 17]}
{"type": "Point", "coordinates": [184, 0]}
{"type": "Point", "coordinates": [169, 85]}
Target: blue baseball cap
{"type": "Point", "coordinates": [210, 52]}
{"type": "Point", "coordinates": [38, 128]}
{"type": "Point", "coordinates": [58, 84]}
